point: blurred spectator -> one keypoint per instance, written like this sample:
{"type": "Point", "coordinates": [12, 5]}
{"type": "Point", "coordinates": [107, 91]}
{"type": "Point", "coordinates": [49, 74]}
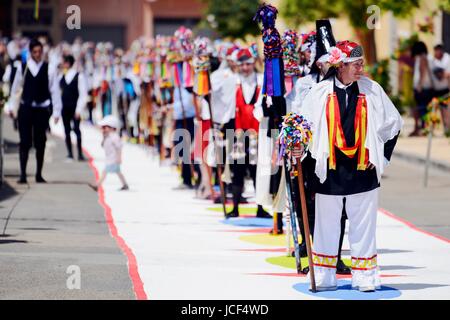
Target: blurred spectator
{"type": "Point", "coordinates": [423, 85]}
{"type": "Point", "coordinates": [74, 97]}
{"type": "Point", "coordinates": [440, 64]}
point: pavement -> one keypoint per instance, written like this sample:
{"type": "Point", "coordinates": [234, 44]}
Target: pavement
{"type": "Point", "coordinates": [154, 242]}
{"type": "Point", "coordinates": [414, 149]}
{"type": "Point", "coordinates": [403, 189]}
{"type": "Point", "coordinates": [52, 232]}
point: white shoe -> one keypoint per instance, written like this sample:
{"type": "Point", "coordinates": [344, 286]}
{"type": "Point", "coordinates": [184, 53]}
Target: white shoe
{"type": "Point", "coordinates": [367, 289]}
{"type": "Point", "coordinates": [321, 289]}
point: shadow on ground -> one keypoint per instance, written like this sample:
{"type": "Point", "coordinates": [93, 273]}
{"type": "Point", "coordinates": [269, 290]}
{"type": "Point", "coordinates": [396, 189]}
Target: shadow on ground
{"type": "Point", "coordinates": [6, 191]}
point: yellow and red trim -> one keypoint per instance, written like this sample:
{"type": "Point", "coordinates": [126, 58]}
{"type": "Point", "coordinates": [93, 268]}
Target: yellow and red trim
{"type": "Point", "coordinates": [359, 263]}
{"type": "Point", "coordinates": [321, 260]}
{"type": "Point", "coordinates": [336, 135]}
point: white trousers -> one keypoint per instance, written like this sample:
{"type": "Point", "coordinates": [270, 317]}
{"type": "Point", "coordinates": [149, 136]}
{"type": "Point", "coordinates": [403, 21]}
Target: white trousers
{"type": "Point", "coordinates": [361, 211]}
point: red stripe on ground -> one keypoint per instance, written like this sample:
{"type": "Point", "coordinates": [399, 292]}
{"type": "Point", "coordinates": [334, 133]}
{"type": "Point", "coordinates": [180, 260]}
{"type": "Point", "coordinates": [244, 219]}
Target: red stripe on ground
{"type": "Point", "coordinates": [138, 285]}
{"type": "Point", "coordinates": [412, 226]}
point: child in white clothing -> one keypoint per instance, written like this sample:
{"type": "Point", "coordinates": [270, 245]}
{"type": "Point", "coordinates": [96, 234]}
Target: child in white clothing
{"type": "Point", "coordinates": [112, 145]}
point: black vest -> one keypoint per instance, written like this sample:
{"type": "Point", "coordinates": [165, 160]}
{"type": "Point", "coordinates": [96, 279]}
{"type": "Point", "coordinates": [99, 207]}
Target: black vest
{"type": "Point", "coordinates": [69, 92]}
{"type": "Point", "coordinates": [13, 72]}
{"type": "Point", "coordinates": [35, 89]}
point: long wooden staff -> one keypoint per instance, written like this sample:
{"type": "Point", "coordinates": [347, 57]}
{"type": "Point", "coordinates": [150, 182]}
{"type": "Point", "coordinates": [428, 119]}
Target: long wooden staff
{"type": "Point", "coordinates": [301, 188]}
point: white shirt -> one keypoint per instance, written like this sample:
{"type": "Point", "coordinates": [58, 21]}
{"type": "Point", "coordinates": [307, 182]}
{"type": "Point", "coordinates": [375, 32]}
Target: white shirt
{"type": "Point", "coordinates": [53, 87]}
{"type": "Point", "coordinates": [113, 149]}
{"type": "Point", "coordinates": [205, 115]}
{"type": "Point", "coordinates": [7, 74]}
{"type": "Point", "coordinates": [301, 88]}
{"type": "Point", "coordinates": [248, 86]}
{"type": "Point", "coordinates": [427, 84]}
{"type": "Point", "coordinates": [82, 88]}
{"type": "Point", "coordinates": [223, 95]}
{"type": "Point", "coordinates": [443, 63]}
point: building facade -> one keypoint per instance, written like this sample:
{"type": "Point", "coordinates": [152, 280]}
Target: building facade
{"type": "Point", "coordinates": [119, 21]}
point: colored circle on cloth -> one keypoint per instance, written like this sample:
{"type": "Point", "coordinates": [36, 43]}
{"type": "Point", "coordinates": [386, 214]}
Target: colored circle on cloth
{"type": "Point", "coordinates": [345, 292]}
{"type": "Point", "coordinates": [242, 210]}
{"type": "Point", "coordinates": [249, 222]}
{"type": "Point", "coordinates": [266, 239]}
{"type": "Point", "coordinates": [289, 262]}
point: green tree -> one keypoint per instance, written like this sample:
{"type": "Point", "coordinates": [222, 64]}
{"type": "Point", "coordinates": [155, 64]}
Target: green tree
{"type": "Point", "coordinates": [231, 18]}
{"type": "Point", "coordinates": [296, 12]}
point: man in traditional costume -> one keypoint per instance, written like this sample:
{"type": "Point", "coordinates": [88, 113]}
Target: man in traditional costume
{"type": "Point", "coordinates": [245, 153]}
{"type": "Point", "coordinates": [35, 89]}
{"type": "Point", "coordinates": [321, 69]}
{"type": "Point", "coordinates": [355, 127]}
{"type": "Point", "coordinates": [223, 104]}
{"type": "Point", "coordinates": [307, 53]}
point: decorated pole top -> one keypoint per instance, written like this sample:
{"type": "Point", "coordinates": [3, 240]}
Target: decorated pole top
{"type": "Point", "coordinates": [273, 64]}
{"type": "Point", "coordinates": [267, 14]}
{"type": "Point", "coordinates": [290, 42]}
{"type": "Point", "coordinates": [186, 42]}
{"type": "Point", "coordinates": [202, 65]}
{"type": "Point", "coordinates": [295, 136]}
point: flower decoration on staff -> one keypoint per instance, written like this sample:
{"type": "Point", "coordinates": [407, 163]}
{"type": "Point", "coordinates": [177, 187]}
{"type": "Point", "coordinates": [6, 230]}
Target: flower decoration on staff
{"type": "Point", "coordinates": [174, 51]}
{"type": "Point", "coordinates": [185, 37]}
{"type": "Point", "coordinates": [201, 63]}
{"type": "Point", "coordinates": [295, 135]}
{"type": "Point", "coordinates": [290, 55]}
{"type": "Point", "coordinates": [186, 42]}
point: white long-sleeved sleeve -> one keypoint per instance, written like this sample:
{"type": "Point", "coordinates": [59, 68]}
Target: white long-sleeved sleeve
{"type": "Point", "coordinates": [55, 92]}
{"type": "Point", "coordinates": [7, 73]}
{"type": "Point", "coordinates": [82, 94]}
{"type": "Point", "coordinates": [15, 90]}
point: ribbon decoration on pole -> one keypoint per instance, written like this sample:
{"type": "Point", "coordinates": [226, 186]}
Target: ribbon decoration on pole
{"type": "Point", "coordinates": [186, 41]}
{"type": "Point", "coordinates": [273, 63]}
{"type": "Point", "coordinates": [202, 65]}
{"type": "Point", "coordinates": [291, 58]}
